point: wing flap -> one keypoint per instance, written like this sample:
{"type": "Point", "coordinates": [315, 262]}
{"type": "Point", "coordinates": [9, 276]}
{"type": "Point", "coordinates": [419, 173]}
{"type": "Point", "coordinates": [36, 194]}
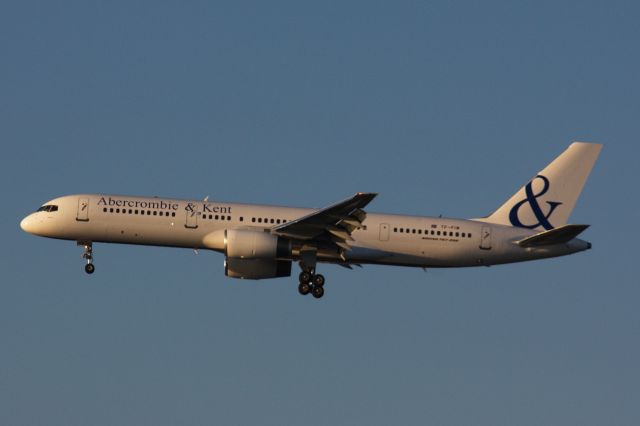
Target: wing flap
{"type": "Point", "coordinates": [559, 235]}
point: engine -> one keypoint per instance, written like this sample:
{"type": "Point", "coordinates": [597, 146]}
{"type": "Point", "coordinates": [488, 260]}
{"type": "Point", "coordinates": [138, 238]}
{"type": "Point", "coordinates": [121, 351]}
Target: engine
{"type": "Point", "coordinates": [247, 244]}
{"type": "Point", "coordinates": [256, 254]}
{"type": "Point", "coordinates": [256, 269]}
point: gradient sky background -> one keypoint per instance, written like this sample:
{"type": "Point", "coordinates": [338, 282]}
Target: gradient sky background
{"type": "Point", "coordinates": [441, 107]}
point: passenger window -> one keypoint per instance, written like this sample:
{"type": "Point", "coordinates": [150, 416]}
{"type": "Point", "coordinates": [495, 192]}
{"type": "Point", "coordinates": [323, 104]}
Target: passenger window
{"type": "Point", "coordinates": [469, 235]}
{"type": "Point", "coordinates": [259, 220]}
{"type": "Point", "coordinates": [241, 219]}
{"type": "Point", "coordinates": [104, 209]}
{"type": "Point", "coordinates": [136, 211]}
{"type": "Point", "coordinates": [457, 234]}
{"type": "Point", "coordinates": [395, 229]}
{"type": "Point", "coordinates": [228, 217]}
{"type": "Point", "coordinates": [155, 213]}
{"type": "Point", "coordinates": [173, 214]}
{"type": "Point", "coordinates": [253, 219]}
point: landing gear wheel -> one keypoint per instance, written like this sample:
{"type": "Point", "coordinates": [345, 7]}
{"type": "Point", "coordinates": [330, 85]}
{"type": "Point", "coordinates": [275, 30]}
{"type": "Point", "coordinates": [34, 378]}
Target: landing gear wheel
{"type": "Point", "coordinates": [318, 280]}
{"type": "Point", "coordinates": [318, 292]}
{"type": "Point", "coordinates": [304, 277]}
{"type": "Point", "coordinates": [304, 289]}
{"type": "Point", "coordinates": [89, 268]}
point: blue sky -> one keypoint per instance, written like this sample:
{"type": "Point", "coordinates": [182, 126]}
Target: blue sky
{"type": "Point", "coordinates": [441, 107]}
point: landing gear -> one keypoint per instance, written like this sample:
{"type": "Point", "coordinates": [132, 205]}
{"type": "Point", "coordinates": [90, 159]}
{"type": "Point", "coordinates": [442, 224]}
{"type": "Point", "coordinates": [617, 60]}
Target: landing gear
{"type": "Point", "coordinates": [310, 282]}
{"type": "Point", "coordinates": [89, 268]}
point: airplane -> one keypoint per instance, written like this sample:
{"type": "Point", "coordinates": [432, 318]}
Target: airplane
{"type": "Point", "coordinates": [262, 241]}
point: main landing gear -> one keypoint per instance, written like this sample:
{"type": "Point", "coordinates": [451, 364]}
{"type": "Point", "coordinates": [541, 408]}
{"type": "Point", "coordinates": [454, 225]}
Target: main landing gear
{"type": "Point", "coordinates": [89, 268]}
{"type": "Point", "coordinates": [311, 283]}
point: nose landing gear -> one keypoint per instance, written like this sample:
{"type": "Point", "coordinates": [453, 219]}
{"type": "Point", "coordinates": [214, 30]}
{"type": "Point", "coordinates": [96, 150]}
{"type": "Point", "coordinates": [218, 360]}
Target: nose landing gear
{"type": "Point", "coordinates": [89, 268]}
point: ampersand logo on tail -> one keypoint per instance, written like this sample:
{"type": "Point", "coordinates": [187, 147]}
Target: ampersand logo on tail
{"type": "Point", "coordinates": [532, 200]}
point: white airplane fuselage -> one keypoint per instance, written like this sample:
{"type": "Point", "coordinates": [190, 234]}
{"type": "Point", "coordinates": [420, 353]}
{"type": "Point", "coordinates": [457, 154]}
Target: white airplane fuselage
{"type": "Point", "coordinates": [387, 239]}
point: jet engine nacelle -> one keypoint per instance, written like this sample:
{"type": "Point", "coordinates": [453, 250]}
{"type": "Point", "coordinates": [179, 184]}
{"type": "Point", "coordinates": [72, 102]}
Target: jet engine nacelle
{"type": "Point", "coordinates": [255, 269]}
{"type": "Point", "coordinates": [249, 244]}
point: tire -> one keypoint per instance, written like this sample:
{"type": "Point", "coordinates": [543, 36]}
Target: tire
{"type": "Point", "coordinates": [304, 289]}
{"type": "Point", "coordinates": [317, 292]}
{"type": "Point", "coordinates": [318, 280]}
{"type": "Point", "coordinates": [89, 268]}
{"type": "Point", "coordinates": [304, 277]}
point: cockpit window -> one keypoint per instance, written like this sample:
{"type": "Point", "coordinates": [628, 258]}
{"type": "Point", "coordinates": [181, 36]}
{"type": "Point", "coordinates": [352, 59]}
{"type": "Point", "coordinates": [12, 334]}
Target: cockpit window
{"type": "Point", "coordinates": [48, 208]}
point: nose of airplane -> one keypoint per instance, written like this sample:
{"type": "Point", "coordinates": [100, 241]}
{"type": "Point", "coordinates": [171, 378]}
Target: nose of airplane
{"type": "Point", "coordinates": [27, 224]}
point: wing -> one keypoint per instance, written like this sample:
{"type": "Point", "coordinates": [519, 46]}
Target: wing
{"type": "Point", "coordinates": [335, 222]}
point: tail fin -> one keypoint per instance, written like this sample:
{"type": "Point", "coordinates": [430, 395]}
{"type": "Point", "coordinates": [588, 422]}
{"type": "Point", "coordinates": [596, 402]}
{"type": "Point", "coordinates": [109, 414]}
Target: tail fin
{"type": "Point", "coordinates": [548, 199]}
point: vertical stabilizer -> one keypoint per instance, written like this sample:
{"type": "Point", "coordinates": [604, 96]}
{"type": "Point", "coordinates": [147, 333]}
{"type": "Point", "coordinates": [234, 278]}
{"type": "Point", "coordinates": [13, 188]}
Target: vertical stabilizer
{"type": "Point", "coordinates": [548, 199]}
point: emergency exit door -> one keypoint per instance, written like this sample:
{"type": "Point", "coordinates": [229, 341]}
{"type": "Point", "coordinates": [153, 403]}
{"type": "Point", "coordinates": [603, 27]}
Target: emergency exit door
{"type": "Point", "coordinates": [384, 232]}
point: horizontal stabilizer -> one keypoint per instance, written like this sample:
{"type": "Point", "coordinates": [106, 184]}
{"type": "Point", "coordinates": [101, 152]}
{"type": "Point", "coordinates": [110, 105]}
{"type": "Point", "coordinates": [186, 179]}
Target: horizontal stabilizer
{"type": "Point", "coordinates": [559, 235]}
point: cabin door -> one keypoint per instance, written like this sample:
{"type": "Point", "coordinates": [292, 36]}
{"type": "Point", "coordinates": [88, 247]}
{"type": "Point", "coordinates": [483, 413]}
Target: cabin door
{"type": "Point", "coordinates": [485, 238]}
{"type": "Point", "coordinates": [83, 209]}
{"type": "Point", "coordinates": [192, 217]}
